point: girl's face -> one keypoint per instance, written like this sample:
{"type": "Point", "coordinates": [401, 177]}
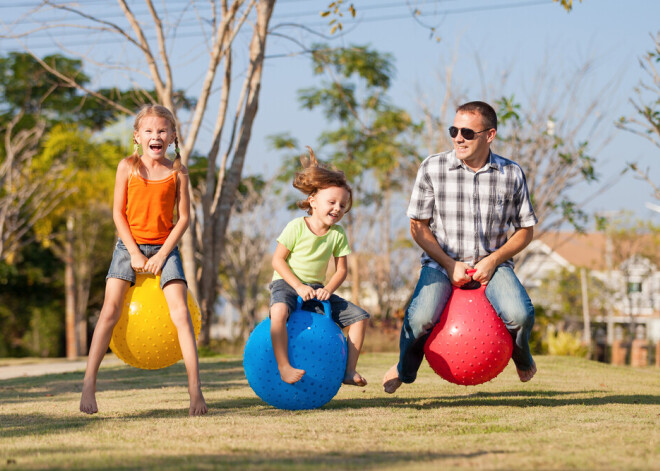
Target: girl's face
{"type": "Point", "coordinates": [329, 205]}
{"type": "Point", "coordinates": [154, 134]}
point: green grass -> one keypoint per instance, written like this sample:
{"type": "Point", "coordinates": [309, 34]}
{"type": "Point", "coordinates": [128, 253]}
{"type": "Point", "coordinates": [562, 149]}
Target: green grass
{"type": "Point", "coordinates": [575, 414]}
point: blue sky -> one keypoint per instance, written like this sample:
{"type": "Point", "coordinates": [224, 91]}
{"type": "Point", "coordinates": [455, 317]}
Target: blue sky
{"type": "Point", "coordinates": [505, 35]}
{"type": "Point", "coordinates": [502, 34]}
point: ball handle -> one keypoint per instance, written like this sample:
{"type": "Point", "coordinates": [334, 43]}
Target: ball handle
{"type": "Point", "coordinates": [326, 306]}
{"type": "Point", "coordinates": [472, 284]}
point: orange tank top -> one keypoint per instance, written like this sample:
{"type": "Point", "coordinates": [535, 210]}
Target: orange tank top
{"type": "Point", "coordinates": [150, 208]}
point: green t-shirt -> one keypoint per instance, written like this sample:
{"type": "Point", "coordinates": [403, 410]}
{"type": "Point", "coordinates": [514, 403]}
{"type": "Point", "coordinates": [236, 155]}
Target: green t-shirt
{"type": "Point", "coordinates": [310, 253]}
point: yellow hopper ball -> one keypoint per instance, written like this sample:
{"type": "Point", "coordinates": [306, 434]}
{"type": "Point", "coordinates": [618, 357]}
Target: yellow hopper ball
{"type": "Point", "coordinates": [145, 336]}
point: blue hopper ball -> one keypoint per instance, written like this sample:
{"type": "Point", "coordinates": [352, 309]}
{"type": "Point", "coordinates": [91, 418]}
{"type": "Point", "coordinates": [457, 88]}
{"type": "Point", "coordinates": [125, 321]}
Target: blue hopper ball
{"type": "Point", "coordinates": [316, 345]}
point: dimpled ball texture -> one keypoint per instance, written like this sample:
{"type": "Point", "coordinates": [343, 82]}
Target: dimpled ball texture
{"type": "Point", "coordinates": [470, 345]}
{"type": "Point", "coordinates": [145, 336]}
{"type": "Point", "coordinates": [315, 344]}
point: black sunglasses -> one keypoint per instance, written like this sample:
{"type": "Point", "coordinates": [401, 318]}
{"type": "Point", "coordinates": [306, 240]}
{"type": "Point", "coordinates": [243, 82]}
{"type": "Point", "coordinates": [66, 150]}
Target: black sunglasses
{"type": "Point", "coordinates": [467, 133]}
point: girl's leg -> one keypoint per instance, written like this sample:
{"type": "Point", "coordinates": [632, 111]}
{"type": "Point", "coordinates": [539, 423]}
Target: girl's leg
{"type": "Point", "coordinates": [176, 294]}
{"type": "Point", "coordinates": [115, 291]}
{"type": "Point", "coordinates": [279, 312]}
{"type": "Point", "coordinates": [355, 339]}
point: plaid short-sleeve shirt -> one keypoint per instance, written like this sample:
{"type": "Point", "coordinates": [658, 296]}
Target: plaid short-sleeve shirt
{"type": "Point", "coordinates": [470, 212]}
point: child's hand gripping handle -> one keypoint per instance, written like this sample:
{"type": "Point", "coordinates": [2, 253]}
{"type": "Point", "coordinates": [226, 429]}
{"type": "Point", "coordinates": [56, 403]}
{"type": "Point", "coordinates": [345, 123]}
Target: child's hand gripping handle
{"type": "Point", "coordinates": [326, 306]}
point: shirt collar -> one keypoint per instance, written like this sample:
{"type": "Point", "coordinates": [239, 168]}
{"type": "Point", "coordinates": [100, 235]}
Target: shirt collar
{"type": "Point", "coordinates": [493, 162]}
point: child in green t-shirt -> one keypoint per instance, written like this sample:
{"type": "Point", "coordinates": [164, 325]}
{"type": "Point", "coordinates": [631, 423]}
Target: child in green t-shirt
{"type": "Point", "coordinates": [301, 259]}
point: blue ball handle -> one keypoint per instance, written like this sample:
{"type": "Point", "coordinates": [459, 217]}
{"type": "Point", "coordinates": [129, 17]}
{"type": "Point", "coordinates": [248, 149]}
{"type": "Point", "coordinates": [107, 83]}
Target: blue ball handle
{"type": "Point", "coordinates": [326, 306]}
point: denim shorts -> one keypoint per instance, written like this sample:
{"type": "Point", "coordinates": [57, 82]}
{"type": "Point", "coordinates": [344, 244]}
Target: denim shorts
{"type": "Point", "coordinates": [344, 313]}
{"type": "Point", "coordinates": [121, 268]}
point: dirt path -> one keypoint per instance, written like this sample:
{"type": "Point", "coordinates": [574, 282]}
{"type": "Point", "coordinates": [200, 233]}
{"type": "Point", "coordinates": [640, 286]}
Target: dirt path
{"type": "Point", "coordinates": [46, 367]}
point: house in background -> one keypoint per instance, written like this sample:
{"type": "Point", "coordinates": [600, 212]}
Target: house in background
{"type": "Point", "coordinates": [634, 281]}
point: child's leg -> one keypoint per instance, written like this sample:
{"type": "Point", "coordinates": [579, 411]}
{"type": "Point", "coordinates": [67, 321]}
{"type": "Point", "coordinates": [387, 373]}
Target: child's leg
{"type": "Point", "coordinates": [115, 291]}
{"type": "Point", "coordinates": [176, 294]}
{"type": "Point", "coordinates": [279, 312]}
{"type": "Point", "coordinates": [345, 313]}
{"type": "Point", "coordinates": [355, 339]}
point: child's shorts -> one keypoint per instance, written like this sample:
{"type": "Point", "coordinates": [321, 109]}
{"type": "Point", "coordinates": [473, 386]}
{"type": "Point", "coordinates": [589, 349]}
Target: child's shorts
{"type": "Point", "coordinates": [344, 313]}
{"type": "Point", "coordinates": [121, 268]}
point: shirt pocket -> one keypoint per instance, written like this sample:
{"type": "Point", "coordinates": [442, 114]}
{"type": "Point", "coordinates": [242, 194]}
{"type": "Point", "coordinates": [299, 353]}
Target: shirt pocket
{"type": "Point", "coordinates": [502, 208]}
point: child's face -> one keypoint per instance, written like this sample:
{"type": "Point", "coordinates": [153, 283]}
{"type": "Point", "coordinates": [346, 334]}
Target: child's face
{"type": "Point", "coordinates": [329, 204]}
{"type": "Point", "coordinates": [154, 135]}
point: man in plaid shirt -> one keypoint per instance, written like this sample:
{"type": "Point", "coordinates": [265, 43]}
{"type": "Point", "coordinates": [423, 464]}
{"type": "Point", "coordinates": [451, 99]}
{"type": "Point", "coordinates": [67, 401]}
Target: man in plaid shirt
{"type": "Point", "coordinates": [462, 207]}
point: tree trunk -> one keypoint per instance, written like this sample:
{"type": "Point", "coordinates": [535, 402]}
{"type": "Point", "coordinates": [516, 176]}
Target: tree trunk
{"type": "Point", "coordinates": [70, 293]}
{"type": "Point", "coordinates": [585, 308]}
{"type": "Point", "coordinates": [219, 221]}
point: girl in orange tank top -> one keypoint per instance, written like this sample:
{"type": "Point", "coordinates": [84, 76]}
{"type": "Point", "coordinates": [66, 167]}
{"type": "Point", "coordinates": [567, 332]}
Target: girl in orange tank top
{"type": "Point", "coordinates": [149, 190]}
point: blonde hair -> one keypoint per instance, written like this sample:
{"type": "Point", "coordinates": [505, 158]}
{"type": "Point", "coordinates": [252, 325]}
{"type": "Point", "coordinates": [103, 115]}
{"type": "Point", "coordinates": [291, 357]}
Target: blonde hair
{"type": "Point", "coordinates": [315, 177]}
{"type": "Point", "coordinates": [161, 112]}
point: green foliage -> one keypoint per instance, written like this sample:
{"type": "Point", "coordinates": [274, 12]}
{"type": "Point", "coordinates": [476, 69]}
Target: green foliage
{"type": "Point", "coordinates": [553, 162]}
{"type": "Point", "coordinates": [31, 304]}
{"type": "Point", "coordinates": [567, 4]}
{"type": "Point", "coordinates": [566, 344]}
{"type": "Point", "coordinates": [561, 295]}
{"type": "Point", "coordinates": [334, 11]}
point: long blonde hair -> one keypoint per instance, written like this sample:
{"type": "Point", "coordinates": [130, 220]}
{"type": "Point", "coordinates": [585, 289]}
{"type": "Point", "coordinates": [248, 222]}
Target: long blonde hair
{"type": "Point", "coordinates": [161, 112]}
{"type": "Point", "coordinates": [315, 177]}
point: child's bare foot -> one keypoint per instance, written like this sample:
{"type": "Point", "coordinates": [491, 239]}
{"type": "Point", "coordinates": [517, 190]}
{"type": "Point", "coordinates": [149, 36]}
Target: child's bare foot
{"type": "Point", "coordinates": [197, 403]}
{"type": "Point", "coordinates": [290, 375]}
{"type": "Point", "coordinates": [354, 379]}
{"type": "Point", "coordinates": [391, 381]}
{"type": "Point", "coordinates": [526, 375]}
{"type": "Point", "coordinates": [88, 399]}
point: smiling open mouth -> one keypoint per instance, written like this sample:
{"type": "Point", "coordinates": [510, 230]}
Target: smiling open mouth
{"type": "Point", "coordinates": [156, 147]}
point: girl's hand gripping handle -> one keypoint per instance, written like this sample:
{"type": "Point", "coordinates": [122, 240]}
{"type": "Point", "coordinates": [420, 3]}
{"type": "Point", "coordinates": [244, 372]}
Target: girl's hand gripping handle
{"type": "Point", "coordinates": [326, 307]}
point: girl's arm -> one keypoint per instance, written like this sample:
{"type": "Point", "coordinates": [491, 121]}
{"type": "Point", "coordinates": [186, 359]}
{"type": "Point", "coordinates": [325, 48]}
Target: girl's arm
{"type": "Point", "coordinates": [283, 269]}
{"type": "Point", "coordinates": [155, 264]}
{"type": "Point", "coordinates": [335, 282]}
{"type": "Point", "coordinates": [138, 260]}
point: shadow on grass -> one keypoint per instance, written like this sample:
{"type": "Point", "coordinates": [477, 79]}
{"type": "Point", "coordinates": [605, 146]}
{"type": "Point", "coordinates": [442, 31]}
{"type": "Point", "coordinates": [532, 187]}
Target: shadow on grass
{"type": "Point", "coordinates": [500, 399]}
{"type": "Point", "coordinates": [218, 374]}
{"type": "Point", "coordinates": [269, 460]}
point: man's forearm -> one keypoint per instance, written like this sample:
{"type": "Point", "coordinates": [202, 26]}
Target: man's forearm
{"type": "Point", "coordinates": [516, 243]}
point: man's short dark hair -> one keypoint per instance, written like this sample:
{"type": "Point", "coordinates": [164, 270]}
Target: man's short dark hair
{"type": "Point", "coordinates": [484, 109]}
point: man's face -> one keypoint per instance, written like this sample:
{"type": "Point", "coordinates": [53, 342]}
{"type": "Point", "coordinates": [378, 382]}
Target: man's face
{"type": "Point", "coordinates": [472, 152]}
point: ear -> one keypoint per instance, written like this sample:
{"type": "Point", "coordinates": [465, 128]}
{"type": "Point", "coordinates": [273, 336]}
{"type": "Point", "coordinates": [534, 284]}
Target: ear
{"type": "Point", "coordinates": [491, 135]}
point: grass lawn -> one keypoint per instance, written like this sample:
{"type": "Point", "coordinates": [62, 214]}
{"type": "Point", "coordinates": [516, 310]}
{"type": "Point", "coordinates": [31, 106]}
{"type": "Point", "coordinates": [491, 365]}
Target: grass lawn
{"type": "Point", "coordinates": [575, 414]}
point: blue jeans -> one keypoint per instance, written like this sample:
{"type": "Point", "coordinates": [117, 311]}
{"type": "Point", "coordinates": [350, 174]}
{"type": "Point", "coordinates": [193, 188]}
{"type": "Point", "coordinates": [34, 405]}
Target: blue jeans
{"type": "Point", "coordinates": [505, 293]}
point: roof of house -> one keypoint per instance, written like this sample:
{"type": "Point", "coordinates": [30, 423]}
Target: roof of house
{"type": "Point", "coordinates": [589, 249]}
{"type": "Point", "coordinates": [581, 250]}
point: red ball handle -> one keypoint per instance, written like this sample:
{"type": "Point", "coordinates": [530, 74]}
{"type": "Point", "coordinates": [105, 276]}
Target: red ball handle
{"type": "Point", "coordinates": [470, 271]}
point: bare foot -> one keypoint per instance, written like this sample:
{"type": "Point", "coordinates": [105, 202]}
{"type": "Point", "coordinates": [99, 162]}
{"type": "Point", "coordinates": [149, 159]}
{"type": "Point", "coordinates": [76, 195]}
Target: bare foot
{"type": "Point", "coordinates": [88, 399]}
{"type": "Point", "coordinates": [391, 381]}
{"type": "Point", "coordinates": [354, 379]}
{"type": "Point", "coordinates": [197, 403]}
{"type": "Point", "coordinates": [291, 375]}
{"type": "Point", "coordinates": [526, 375]}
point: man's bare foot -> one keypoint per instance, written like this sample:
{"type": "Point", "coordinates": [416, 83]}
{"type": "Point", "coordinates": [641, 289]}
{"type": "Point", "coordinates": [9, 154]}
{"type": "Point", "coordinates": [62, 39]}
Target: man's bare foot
{"type": "Point", "coordinates": [526, 375]}
{"type": "Point", "coordinates": [197, 403]}
{"type": "Point", "coordinates": [391, 381]}
{"type": "Point", "coordinates": [88, 399]}
{"type": "Point", "coordinates": [290, 375]}
{"type": "Point", "coordinates": [354, 379]}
